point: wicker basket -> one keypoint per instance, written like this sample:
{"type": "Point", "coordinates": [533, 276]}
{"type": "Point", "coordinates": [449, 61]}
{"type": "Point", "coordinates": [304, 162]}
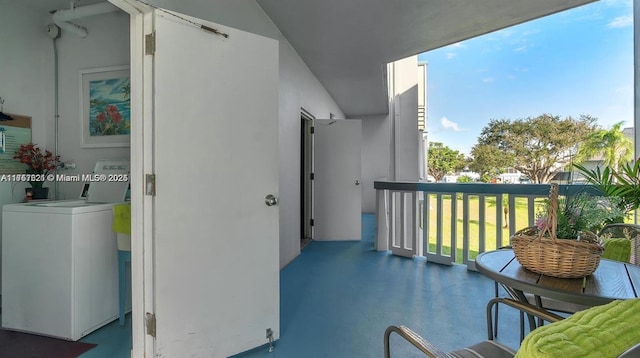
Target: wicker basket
{"type": "Point", "coordinates": [541, 252]}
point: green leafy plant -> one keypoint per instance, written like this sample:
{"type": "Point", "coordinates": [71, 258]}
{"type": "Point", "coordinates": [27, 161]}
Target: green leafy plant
{"type": "Point", "coordinates": [581, 213]}
{"type": "Point", "coordinates": [623, 183]}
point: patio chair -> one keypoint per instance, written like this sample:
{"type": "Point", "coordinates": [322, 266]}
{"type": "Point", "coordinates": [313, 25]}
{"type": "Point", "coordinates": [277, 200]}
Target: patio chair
{"type": "Point", "coordinates": [624, 232]}
{"type": "Point", "coordinates": [622, 243]}
{"type": "Point", "coordinates": [605, 337]}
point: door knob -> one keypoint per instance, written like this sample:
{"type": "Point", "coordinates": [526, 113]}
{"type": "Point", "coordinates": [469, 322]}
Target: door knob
{"type": "Point", "coordinates": [271, 200]}
{"type": "Point", "coordinates": [357, 182]}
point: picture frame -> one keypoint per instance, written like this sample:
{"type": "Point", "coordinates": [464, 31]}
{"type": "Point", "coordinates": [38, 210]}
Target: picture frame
{"type": "Point", "coordinates": [105, 107]}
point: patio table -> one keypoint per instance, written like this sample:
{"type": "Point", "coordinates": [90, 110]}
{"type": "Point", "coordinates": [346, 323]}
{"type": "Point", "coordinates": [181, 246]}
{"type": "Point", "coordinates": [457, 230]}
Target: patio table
{"type": "Point", "coordinates": [612, 280]}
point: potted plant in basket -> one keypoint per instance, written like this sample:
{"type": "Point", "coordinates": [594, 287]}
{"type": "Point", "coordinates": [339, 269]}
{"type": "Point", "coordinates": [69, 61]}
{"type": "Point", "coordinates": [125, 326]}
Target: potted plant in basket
{"type": "Point", "coordinates": [563, 243]}
{"type": "Point", "coordinates": [39, 164]}
{"type": "Point", "coordinates": [582, 213]}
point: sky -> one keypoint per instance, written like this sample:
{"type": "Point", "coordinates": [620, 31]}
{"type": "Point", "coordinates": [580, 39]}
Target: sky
{"type": "Point", "coordinates": [575, 62]}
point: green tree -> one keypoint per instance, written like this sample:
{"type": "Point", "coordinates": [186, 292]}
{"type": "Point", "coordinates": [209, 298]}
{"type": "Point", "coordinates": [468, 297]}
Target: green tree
{"type": "Point", "coordinates": [612, 144]}
{"type": "Point", "coordinates": [442, 160]}
{"type": "Point", "coordinates": [538, 145]}
{"type": "Point", "coordinates": [489, 161]}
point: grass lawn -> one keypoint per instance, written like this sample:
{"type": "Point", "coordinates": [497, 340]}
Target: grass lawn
{"type": "Point", "coordinates": [490, 230]}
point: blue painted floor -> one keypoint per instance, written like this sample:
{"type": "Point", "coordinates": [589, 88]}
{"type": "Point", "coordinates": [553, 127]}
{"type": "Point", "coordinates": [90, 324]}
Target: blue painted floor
{"type": "Point", "coordinates": [113, 340]}
{"type": "Point", "coordinates": [337, 299]}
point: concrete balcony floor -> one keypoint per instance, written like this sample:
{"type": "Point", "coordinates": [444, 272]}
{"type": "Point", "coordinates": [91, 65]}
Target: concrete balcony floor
{"type": "Point", "coordinates": [337, 299]}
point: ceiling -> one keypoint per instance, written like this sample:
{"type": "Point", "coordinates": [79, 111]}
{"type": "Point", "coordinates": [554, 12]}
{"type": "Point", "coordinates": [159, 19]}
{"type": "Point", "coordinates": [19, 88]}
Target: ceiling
{"type": "Point", "coordinates": [52, 5]}
{"type": "Point", "coordinates": [346, 43]}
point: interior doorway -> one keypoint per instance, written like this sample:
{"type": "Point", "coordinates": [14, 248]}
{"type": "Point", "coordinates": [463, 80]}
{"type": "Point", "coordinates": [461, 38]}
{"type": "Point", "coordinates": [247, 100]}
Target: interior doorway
{"type": "Point", "coordinates": [306, 178]}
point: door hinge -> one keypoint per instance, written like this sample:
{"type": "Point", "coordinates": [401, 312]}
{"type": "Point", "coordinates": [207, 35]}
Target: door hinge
{"type": "Point", "coordinates": [150, 180]}
{"type": "Point", "coordinates": [312, 176]}
{"type": "Point", "coordinates": [150, 44]}
{"type": "Point", "coordinates": [150, 323]}
{"type": "Point", "coordinates": [313, 130]}
{"type": "Point", "coordinates": [311, 222]}
{"type": "Point", "coordinates": [270, 339]}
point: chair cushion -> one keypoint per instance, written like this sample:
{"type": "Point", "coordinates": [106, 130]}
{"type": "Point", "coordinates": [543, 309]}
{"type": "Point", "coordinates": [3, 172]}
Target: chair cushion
{"type": "Point", "coordinates": [618, 249]}
{"type": "Point", "coordinates": [486, 349]}
{"type": "Point", "coordinates": [598, 332]}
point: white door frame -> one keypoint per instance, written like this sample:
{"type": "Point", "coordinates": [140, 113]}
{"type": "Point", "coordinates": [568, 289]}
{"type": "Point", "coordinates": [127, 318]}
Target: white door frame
{"type": "Point", "coordinates": [141, 164]}
{"type": "Point", "coordinates": [307, 116]}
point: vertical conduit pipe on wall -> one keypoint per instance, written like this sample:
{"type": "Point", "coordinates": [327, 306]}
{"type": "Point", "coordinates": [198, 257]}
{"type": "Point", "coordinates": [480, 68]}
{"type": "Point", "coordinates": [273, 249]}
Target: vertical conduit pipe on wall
{"type": "Point", "coordinates": [53, 32]}
{"type": "Point", "coordinates": [56, 115]}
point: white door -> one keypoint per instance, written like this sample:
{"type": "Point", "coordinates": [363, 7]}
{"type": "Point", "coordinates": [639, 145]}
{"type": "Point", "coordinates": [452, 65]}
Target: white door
{"type": "Point", "coordinates": [214, 136]}
{"type": "Point", "coordinates": [337, 213]}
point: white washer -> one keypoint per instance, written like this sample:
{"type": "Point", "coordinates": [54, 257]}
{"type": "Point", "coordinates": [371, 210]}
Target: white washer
{"type": "Point", "coordinates": [59, 262]}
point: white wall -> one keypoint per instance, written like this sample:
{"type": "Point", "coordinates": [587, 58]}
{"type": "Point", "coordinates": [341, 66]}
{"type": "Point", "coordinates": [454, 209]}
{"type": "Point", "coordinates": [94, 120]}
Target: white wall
{"type": "Point", "coordinates": [376, 142]}
{"type": "Point", "coordinates": [403, 111]}
{"type": "Point", "coordinates": [636, 76]}
{"type": "Point", "coordinates": [27, 79]}
{"type": "Point", "coordinates": [106, 45]}
{"type": "Point", "coordinates": [27, 59]}
{"type": "Point", "coordinates": [26, 75]}
{"type": "Point", "coordinates": [391, 143]}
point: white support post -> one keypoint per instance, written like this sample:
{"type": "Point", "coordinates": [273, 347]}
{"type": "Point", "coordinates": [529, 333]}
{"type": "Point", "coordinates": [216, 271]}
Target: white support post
{"type": "Point", "coordinates": [382, 219]}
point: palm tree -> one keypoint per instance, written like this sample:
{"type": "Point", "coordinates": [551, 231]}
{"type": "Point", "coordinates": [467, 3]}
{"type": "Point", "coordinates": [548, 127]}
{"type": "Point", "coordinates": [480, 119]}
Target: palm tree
{"type": "Point", "coordinates": [615, 147]}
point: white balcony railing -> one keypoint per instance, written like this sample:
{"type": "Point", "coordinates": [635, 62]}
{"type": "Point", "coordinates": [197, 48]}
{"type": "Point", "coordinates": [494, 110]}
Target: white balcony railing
{"type": "Point", "coordinates": [450, 223]}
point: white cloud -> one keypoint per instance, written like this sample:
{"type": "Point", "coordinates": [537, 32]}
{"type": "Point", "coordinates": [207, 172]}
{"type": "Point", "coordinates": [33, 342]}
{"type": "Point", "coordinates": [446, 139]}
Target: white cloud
{"type": "Point", "coordinates": [523, 41]}
{"type": "Point", "coordinates": [621, 21]}
{"type": "Point", "coordinates": [447, 124]}
{"type": "Point", "coordinates": [515, 39]}
{"type": "Point", "coordinates": [488, 79]}
{"type": "Point", "coordinates": [531, 32]}
{"type": "Point", "coordinates": [453, 47]}
{"type": "Point", "coordinates": [500, 34]}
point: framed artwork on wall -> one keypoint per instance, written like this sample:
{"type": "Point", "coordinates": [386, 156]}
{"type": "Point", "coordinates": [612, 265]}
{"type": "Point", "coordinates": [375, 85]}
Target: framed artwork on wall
{"type": "Point", "coordinates": [105, 107]}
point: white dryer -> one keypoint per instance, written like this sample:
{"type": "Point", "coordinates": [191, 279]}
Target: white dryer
{"type": "Point", "coordinates": [59, 261]}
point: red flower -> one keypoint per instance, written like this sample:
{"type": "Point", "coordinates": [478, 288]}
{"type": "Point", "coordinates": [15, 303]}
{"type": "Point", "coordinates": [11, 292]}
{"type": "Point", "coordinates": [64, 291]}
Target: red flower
{"type": "Point", "coordinates": [111, 109]}
{"type": "Point", "coordinates": [101, 117]}
{"type": "Point", "coordinates": [116, 117]}
{"type": "Point", "coordinates": [37, 161]}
